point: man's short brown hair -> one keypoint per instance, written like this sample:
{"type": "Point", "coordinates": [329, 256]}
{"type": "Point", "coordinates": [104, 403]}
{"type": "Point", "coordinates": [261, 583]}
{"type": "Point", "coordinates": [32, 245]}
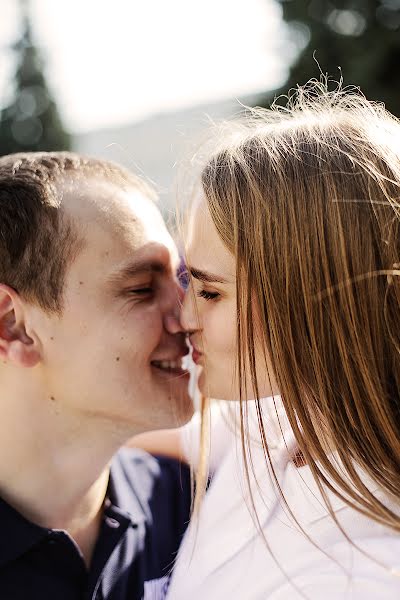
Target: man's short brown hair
{"type": "Point", "coordinates": [37, 240]}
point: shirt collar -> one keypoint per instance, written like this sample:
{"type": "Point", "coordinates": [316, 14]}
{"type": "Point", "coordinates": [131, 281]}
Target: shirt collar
{"type": "Point", "coordinates": [18, 534]}
{"type": "Point", "coordinates": [126, 500]}
{"type": "Point", "coordinates": [127, 495]}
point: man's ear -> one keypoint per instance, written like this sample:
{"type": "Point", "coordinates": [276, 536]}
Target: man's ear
{"type": "Point", "coordinates": [16, 346]}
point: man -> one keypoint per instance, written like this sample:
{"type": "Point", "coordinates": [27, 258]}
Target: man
{"type": "Point", "coordinates": [90, 354]}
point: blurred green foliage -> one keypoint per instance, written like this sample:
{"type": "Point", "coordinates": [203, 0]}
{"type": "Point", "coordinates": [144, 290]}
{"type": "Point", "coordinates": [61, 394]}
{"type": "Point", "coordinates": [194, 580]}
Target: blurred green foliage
{"type": "Point", "coordinates": [31, 121]}
{"type": "Point", "coordinates": [362, 37]}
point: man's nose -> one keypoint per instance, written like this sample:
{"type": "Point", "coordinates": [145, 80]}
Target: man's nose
{"type": "Point", "coordinates": [189, 314]}
{"type": "Point", "coordinates": [172, 321]}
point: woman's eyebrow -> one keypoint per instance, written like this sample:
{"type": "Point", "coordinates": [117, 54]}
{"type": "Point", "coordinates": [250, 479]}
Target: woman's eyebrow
{"type": "Point", "coordinates": [206, 276]}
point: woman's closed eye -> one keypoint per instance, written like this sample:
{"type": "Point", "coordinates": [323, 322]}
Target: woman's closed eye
{"type": "Point", "coordinates": [208, 295]}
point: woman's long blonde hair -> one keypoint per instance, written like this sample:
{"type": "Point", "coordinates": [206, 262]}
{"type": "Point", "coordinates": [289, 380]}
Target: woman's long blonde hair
{"type": "Point", "coordinates": [306, 197]}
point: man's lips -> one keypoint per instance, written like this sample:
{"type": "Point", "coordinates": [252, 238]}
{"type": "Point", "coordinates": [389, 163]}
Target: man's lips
{"type": "Point", "coordinates": [171, 364]}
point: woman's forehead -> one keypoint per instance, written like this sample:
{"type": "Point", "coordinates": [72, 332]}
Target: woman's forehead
{"type": "Point", "coordinates": [204, 248]}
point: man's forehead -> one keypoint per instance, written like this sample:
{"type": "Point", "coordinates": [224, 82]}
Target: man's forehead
{"type": "Point", "coordinates": [122, 220]}
{"type": "Point", "coordinates": [95, 197]}
{"type": "Point", "coordinates": [89, 200]}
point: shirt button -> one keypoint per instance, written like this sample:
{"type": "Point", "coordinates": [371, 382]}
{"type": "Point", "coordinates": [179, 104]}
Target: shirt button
{"type": "Point", "coordinates": [112, 522]}
{"type": "Point", "coordinates": [51, 540]}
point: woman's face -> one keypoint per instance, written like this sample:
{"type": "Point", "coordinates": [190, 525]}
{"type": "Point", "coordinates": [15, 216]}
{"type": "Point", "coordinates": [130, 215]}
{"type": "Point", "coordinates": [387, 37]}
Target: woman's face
{"type": "Point", "coordinates": [209, 312]}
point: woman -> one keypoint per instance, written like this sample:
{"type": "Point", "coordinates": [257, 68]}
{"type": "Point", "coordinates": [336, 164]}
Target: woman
{"type": "Point", "coordinates": [293, 250]}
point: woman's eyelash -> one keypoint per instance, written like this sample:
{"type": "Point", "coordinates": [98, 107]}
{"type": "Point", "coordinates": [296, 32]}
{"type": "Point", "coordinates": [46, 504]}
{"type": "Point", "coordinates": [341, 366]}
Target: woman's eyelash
{"type": "Point", "coordinates": [207, 295]}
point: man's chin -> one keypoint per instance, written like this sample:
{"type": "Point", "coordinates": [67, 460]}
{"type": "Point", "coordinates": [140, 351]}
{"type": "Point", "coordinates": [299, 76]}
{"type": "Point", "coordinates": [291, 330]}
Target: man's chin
{"type": "Point", "coordinates": [174, 383]}
{"type": "Point", "coordinates": [182, 409]}
{"type": "Point", "coordinates": [177, 408]}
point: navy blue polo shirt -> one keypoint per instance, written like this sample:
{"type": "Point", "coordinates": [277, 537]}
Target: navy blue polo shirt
{"type": "Point", "coordinates": [145, 515]}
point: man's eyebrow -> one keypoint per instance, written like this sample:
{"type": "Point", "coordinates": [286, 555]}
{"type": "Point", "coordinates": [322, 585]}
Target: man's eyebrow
{"type": "Point", "coordinates": [205, 276]}
{"type": "Point", "coordinates": [138, 267]}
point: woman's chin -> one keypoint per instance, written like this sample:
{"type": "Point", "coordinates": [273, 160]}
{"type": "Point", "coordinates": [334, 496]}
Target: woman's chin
{"type": "Point", "coordinates": [214, 390]}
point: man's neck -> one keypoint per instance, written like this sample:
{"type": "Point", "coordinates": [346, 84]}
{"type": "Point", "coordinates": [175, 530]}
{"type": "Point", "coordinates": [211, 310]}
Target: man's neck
{"type": "Point", "coordinates": [85, 520]}
{"type": "Point", "coordinates": [54, 468]}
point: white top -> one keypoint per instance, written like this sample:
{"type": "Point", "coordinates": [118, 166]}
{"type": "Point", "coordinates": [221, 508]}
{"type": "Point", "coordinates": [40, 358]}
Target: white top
{"type": "Point", "coordinates": [225, 558]}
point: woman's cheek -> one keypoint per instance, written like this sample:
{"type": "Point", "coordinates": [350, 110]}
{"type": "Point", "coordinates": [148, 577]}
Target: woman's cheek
{"type": "Point", "coordinates": [221, 331]}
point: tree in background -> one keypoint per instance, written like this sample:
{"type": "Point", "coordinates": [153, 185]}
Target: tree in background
{"type": "Point", "coordinates": [31, 121]}
{"type": "Point", "coordinates": [362, 37]}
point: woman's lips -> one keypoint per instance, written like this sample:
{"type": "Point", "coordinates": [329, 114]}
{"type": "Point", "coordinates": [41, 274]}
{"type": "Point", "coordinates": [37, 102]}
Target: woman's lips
{"type": "Point", "coordinates": [196, 356]}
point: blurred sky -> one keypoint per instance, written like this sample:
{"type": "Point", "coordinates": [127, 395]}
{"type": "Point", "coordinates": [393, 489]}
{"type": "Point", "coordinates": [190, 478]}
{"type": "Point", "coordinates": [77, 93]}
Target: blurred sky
{"type": "Point", "coordinates": [115, 61]}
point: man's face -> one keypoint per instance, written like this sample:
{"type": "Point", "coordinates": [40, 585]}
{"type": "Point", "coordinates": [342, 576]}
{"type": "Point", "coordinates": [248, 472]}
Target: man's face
{"type": "Point", "coordinates": [109, 354]}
